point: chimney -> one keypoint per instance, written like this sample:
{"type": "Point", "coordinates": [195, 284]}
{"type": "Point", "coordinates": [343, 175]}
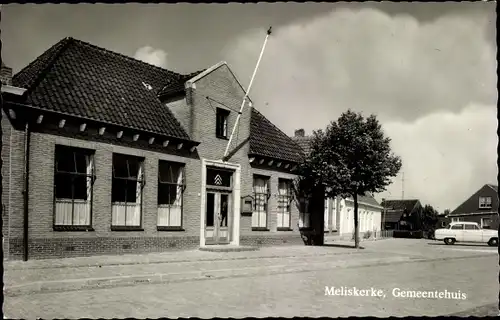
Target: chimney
{"type": "Point", "coordinates": [6, 75]}
{"type": "Point", "coordinates": [299, 133]}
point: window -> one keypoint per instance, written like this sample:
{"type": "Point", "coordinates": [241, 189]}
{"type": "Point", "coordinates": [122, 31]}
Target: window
{"type": "Point", "coordinates": [471, 227]}
{"type": "Point", "coordinates": [443, 224]}
{"type": "Point", "coordinates": [484, 202]}
{"type": "Point", "coordinates": [261, 197]}
{"type": "Point", "coordinates": [284, 203]}
{"type": "Point", "coordinates": [486, 223]}
{"type": "Point", "coordinates": [126, 193]}
{"type": "Point", "coordinates": [73, 183]}
{"type": "Point", "coordinates": [326, 214]}
{"type": "Point", "coordinates": [457, 219]}
{"type": "Point", "coordinates": [170, 194]}
{"type": "Point", "coordinates": [221, 123]}
{"type": "Point", "coordinates": [457, 227]}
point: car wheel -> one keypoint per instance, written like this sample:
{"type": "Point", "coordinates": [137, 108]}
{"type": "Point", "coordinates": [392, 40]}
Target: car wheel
{"type": "Point", "coordinates": [449, 241]}
{"type": "Point", "coordinates": [493, 242]}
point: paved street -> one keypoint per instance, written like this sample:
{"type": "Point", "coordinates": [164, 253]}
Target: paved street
{"type": "Point", "coordinates": [260, 289]}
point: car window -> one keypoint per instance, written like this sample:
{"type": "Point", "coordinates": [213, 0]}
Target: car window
{"type": "Point", "coordinates": [471, 227]}
{"type": "Point", "coordinates": [457, 226]}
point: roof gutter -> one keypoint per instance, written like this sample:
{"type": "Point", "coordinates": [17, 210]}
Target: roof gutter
{"type": "Point", "coordinates": [13, 90]}
{"type": "Point", "coordinates": [192, 142]}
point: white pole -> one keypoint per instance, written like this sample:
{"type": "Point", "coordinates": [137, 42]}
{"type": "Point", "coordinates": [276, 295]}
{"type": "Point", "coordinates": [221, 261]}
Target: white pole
{"type": "Point", "coordinates": [246, 94]}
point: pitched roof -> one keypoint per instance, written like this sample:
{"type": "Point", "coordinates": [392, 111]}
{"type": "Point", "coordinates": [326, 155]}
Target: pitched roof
{"type": "Point", "coordinates": [392, 215]}
{"type": "Point", "coordinates": [304, 143]}
{"type": "Point", "coordinates": [493, 187]}
{"type": "Point", "coordinates": [267, 140]}
{"type": "Point", "coordinates": [80, 79]}
{"type": "Point", "coordinates": [176, 86]}
{"type": "Point", "coordinates": [400, 205]}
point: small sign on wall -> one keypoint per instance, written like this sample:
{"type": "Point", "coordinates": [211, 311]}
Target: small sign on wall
{"type": "Point", "coordinates": [246, 205]}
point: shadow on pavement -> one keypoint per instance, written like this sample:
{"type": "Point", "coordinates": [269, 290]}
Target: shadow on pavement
{"type": "Point", "coordinates": [347, 246]}
{"type": "Point", "coordinates": [459, 244]}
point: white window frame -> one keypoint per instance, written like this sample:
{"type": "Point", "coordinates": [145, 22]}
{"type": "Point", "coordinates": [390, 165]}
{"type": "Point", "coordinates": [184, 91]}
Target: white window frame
{"type": "Point", "coordinates": [482, 222]}
{"type": "Point", "coordinates": [485, 202]}
{"type": "Point", "coordinates": [284, 204]}
{"type": "Point", "coordinates": [261, 202]}
{"type": "Point", "coordinates": [170, 214]}
{"type": "Point", "coordinates": [118, 207]}
{"type": "Point", "coordinates": [71, 212]}
{"type": "Point", "coordinates": [224, 116]}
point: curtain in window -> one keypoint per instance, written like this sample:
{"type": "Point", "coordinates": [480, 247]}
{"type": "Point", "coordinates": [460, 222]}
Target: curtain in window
{"type": "Point", "coordinates": [176, 207]}
{"type": "Point", "coordinates": [74, 208]}
{"type": "Point", "coordinates": [133, 217]}
{"type": "Point", "coordinates": [259, 215]}
{"type": "Point", "coordinates": [284, 204]}
{"type": "Point", "coordinates": [170, 205]}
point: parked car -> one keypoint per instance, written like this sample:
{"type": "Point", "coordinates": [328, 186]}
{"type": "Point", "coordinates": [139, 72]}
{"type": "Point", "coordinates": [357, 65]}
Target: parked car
{"type": "Point", "coordinates": [466, 232]}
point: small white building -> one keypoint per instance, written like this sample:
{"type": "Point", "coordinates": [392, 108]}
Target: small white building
{"type": "Point", "coordinates": [339, 216]}
{"type": "Point", "coordinates": [339, 212]}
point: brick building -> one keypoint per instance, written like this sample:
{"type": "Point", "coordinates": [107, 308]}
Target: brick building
{"type": "Point", "coordinates": [119, 156]}
{"type": "Point", "coordinates": [481, 207]}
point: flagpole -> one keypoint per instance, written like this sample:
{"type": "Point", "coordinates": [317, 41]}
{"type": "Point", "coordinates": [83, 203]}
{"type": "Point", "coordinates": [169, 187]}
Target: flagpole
{"type": "Point", "coordinates": [246, 95]}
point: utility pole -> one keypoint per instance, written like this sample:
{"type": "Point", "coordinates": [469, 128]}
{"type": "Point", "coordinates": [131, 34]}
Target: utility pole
{"type": "Point", "coordinates": [246, 95]}
{"type": "Point", "coordinates": [403, 186]}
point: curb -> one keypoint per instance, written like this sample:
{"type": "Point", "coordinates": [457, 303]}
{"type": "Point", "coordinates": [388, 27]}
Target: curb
{"type": "Point", "coordinates": [131, 280]}
{"type": "Point", "coordinates": [129, 263]}
{"type": "Point", "coordinates": [121, 281]}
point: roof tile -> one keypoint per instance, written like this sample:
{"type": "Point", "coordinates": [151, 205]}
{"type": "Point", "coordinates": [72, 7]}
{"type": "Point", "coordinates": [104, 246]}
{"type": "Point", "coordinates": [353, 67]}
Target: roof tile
{"type": "Point", "coordinates": [267, 140]}
{"type": "Point", "coordinates": [83, 80]}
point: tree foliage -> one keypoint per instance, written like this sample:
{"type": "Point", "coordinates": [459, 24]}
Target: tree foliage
{"type": "Point", "coordinates": [429, 218]}
{"type": "Point", "coordinates": [350, 157]}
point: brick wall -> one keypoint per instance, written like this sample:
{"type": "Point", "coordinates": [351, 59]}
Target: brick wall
{"type": "Point", "coordinates": [46, 243]}
{"type": "Point", "coordinates": [223, 91]}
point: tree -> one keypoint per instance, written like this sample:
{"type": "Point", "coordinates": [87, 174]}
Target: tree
{"type": "Point", "coordinates": [352, 157]}
{"type": "Point", "coordinates": [429, 218]}
{"type": "Point", "coordinates": [446, 212]}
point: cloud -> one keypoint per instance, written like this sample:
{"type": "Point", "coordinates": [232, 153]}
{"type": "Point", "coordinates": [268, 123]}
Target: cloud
{"type": "Point", "coordinates": [152, 56]}
{"type": "Point", "coordinates": [432, 85]}
{"type": "Point", "coordinates": [446, 156]}
{"type": "Point", "coordinates": [370, 61]}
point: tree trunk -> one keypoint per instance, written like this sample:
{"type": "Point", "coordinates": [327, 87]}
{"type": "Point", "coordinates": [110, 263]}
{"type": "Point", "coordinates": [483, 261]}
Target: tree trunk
{"type": "Point", "coordinates": [356, 221]}
{"type": "Point", "coordinates": [318, 207]}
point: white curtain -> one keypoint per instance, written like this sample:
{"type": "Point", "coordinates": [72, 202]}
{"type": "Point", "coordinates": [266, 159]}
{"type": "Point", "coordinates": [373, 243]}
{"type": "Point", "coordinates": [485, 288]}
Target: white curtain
{"type": "Point", "coordinates": [134, 211]}
{"type": "Point", "coordinates": [259, 215]}
{"type": "Point", "coordinates": [170, 215]}
{"type": "Point", "coordinates": [284, 214]}
{"type": "Point", "coordinates": [76, 211]}
{"type": "Point", "coordinates": [176, 207]}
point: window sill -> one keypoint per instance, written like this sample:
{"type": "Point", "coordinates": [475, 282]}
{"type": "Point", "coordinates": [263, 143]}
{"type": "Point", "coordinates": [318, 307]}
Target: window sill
{"type": "Point", "coordinates": [165, 228]}
{"type": "Point", "coordinates": [260, 229]}
{"type": "Point", "coordinates": [126, 228]}
{"type": "Point", "coordinates": [285, 229]}
{"type": "Point", "coordinates": [221, 137]}
{"type": "Point", "coordinates": [73, 228]}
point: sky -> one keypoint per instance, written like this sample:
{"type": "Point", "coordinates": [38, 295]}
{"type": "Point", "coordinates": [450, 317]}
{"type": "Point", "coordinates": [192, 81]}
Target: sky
{"type": "Point", "coordinates": [427, 70]}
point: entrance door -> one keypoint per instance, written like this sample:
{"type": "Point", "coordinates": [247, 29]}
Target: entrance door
{"type": "Point", "coordinates": [216, 218]}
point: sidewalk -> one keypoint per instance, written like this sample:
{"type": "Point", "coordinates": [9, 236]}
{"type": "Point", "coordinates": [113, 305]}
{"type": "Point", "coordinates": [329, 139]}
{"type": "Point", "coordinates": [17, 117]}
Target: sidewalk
{"type": "Point", "coordinates": [109, 271]}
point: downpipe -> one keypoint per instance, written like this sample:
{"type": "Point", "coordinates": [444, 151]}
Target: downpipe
{"type": "Point", "coordinates": [27, 136]}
